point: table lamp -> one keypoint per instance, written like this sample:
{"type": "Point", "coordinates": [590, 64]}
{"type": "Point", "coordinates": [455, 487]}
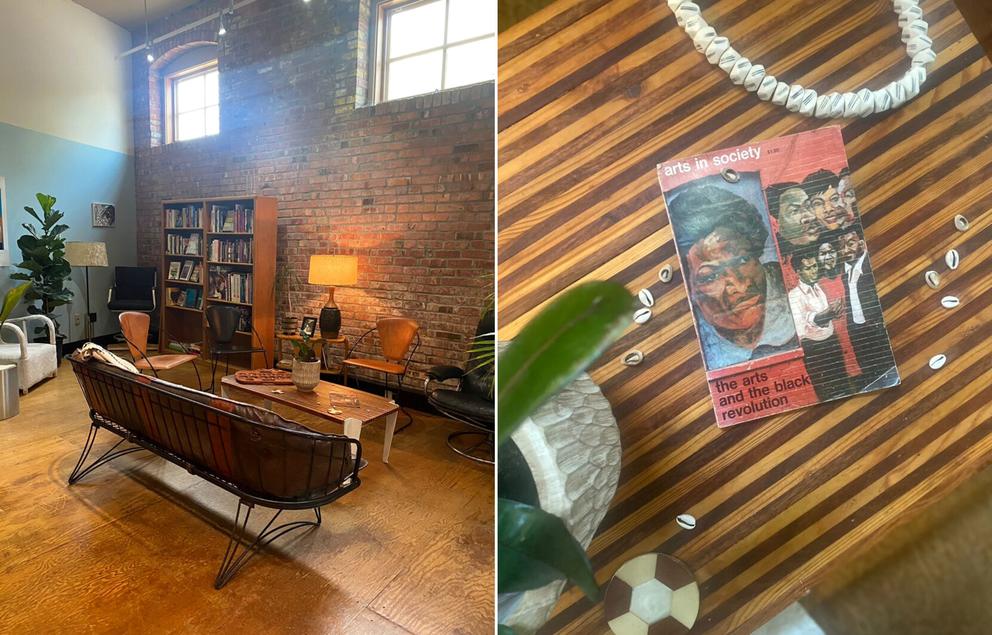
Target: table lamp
{"type": "Point", "coordinates": [82, 254]}
{"type": "Point", "coordinates": [332, 271]}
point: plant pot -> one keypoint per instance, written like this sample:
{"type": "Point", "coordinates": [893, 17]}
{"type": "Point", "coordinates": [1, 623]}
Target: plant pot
{"type": "Point", "coordinates": [306, 375]}
{"type": "Point", "coordinates": [571, 445]}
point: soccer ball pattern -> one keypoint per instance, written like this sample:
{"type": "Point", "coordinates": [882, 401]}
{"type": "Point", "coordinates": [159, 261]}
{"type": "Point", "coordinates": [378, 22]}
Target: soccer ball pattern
{"type": "Point", "coordinates": [653, 594]}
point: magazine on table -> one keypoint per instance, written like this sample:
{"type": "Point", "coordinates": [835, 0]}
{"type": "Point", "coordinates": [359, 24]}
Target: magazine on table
{"type": "Point", "coordinates": [780, 283]}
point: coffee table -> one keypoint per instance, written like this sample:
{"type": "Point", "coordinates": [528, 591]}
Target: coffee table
{"type": "Point", "coordinates": [592, 95]}
{"type": "Point", "coordinates": [370, 407]}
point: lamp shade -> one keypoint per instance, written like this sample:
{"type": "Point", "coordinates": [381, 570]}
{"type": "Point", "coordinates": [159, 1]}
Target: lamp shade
{"type": "Point", "coordinates": [333, 270]}
{"type": "Point", "coordinates": [80, 254]}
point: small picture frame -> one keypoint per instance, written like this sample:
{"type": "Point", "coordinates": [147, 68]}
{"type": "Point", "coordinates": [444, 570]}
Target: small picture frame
{"type": "Point", "coordinates": [174, 268]}
{"type": "Point", "coordinates": [104, 214]}
{"type": "Point", "coordinates": [309, 327]}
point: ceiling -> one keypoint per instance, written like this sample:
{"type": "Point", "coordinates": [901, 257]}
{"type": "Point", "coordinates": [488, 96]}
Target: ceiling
{"type": "Point", "coordinates": [130, 14]}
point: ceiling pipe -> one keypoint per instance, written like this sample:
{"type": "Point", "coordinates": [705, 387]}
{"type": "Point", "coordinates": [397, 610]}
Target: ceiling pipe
{"type": "Point", "coordinates": [182, 29]}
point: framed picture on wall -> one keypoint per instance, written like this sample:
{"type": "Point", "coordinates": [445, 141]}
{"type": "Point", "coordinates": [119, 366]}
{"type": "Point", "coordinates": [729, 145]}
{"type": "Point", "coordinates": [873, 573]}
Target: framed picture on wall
{"type": "Point", "coordinates": [104, 214]}
{"type": "Point", "coordinates": [4, 246]}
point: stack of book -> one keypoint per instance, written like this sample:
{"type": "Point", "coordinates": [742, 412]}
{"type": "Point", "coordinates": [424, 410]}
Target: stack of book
{"type": "Point", "coordinates": [184, 218]}
{"type": "Point", "coordinates": [181, 244]}
{"type": "Point", "coordinates": [231, 250]}
{"type": "Point", "coordinates": [191, 298]}
{"type": "Point", "coordinates": [231, 286]}
{"type": "Point", "coordinates": [236, 220]}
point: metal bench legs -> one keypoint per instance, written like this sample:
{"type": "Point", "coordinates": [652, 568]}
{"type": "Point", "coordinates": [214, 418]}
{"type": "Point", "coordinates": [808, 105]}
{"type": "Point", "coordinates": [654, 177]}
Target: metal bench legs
{"type": "Point", "coordinates": [79, 472]}
{"type": "Point", "coordinates": [235, 559]}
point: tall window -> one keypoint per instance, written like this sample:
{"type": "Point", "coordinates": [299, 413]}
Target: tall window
{"type": "Point", "coordinates": [192, 103]}
{"type": "Point", "coordinates": [429, 45]}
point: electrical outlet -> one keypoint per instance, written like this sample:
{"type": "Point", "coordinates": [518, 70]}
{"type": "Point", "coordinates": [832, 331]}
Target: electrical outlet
{"type": "Point", "coordinates": [77, 319]}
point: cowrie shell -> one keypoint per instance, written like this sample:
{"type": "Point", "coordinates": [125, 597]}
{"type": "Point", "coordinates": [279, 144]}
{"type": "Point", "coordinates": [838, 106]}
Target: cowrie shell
{"type": "Point", "coordinates": [642, 315]}
{"type": "Point", "coordinates": [665, 274]}
{"type": "Point", "coordinates": [938, 361]}
{"type": "Point", "coordinates": [952, 259]}
{"type": "Point", "coordinates": [932, 278]}
{"type": "Point", "coordinates": [949, 302]}
{"type": "Point", "coordinates": [632, 358]}
{"type": "Point", "coordinates": [686, 521]}
{"type": "Point", "coordinates": [961, 223]}
{"type": "Point", "coordinates": [730, 175]}
{"type": "Point", "coordinates": [645, 297]}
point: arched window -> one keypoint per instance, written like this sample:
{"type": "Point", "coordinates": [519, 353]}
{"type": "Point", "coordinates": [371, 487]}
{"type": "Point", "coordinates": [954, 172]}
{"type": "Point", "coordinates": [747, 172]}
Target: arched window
{"type": "Point", "coordinates": [186, 82]}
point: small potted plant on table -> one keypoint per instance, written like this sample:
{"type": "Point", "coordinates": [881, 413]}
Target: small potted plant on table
{"type": "Point", "coordinates": [306, 364]}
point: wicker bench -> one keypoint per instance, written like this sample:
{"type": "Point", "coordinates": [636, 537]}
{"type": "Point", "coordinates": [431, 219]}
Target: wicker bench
{"type": "Point", "coordinates": [253, 453]}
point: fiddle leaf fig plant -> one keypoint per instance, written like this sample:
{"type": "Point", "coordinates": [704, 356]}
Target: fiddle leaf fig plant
{"type": "Point", "coordinates": [534, 546]}
{"type": "Point", "coordinates": [43, 253]}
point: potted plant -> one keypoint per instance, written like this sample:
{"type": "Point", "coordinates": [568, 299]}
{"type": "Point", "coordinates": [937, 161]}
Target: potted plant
{"type": "Point", "coordinates": [536, 551]}
{"type": "Point", "coordinates": [9, 385]}
{"type": "Point", "coordinates": [306, 364]}
{"type": "Point", "coordinates": [43, 251]}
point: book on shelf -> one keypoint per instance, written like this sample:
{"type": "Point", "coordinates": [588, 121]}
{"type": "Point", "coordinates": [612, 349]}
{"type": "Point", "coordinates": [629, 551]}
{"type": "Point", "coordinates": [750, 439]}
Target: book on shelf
{"type": "Point", "coordinates": [182, 245]}
{"type": "Point", "coordinates": [183, 218]}
{"type": "Point", "coordinates": [230, 250]}
{"type": "Point", "coordinates": [174, 269]}
{"type": "Point", "coordinates": [194, 275]}
{"type": "Point", "coordinates": [187, 270]}
{"type": "Point", "coordinates": [236, 219]}
{"type": "Point", "coordinates": [186, 298]}
{"type": "Point", "coordinates": [244, 321]}
{"type": "Point", "coordinates": [230, 285]}
{"type": "Point", "coordinates": [780, 283]}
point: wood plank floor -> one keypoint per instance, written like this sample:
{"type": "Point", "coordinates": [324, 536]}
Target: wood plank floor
{"type": "Point", "coordinates": [135, 546]}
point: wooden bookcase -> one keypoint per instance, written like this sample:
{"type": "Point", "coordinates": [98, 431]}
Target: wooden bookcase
{"type": "Point", "coordinates": [183, 318]}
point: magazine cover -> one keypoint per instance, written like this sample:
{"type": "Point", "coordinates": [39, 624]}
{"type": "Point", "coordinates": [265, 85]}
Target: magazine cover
{"type": "Point", "coordinates": [779, 279]}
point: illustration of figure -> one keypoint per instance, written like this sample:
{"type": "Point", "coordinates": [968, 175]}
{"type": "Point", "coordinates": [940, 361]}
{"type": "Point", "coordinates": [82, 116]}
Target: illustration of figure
{"type": "Point", "coordinates": [864, 314]}
{"type": "Point", "coordinates": [848, 198]}
{"type": "Point", "coordinates": [824, 199]}
{"type": "Point", "coordinates": [789, 204]}
{"type": "Point", "coordinates": [814, 314]}
{"type": "Point", "coordinates": [832, 283]}
{"type": "Point", "coordinates": [740, 303]}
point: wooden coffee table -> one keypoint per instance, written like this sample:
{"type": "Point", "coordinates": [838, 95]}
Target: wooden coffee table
{"type": "Point", "coordinates": [370, 407]}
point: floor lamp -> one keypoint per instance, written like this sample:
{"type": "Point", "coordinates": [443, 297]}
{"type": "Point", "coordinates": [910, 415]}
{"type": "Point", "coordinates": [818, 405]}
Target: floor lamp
{"type": "Point", "coordinates": [82, 254]}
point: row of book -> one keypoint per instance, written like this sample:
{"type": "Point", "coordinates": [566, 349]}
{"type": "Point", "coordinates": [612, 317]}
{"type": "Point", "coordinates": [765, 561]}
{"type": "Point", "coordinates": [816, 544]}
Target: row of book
{"type": "Point", "coordinates": [185, 271]}
{"type": "Point", "coordinates": [183, 218]}
{"type": "Point", "coordinates": [232, 286]}
{"type": "Point", "coordinates": [181, 244]}
{"type": "Point", "coordinates": [225, 219]}
{"type": "Point", "coordinates": [230, 250]}
{"type": "Point", "coordinates": [191, 298]}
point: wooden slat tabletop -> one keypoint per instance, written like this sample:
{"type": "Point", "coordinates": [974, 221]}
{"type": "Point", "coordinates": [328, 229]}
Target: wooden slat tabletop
{"type": "Point", "coordinates": [592, 95]}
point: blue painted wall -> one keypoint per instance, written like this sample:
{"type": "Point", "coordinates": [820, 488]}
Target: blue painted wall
{"type": "Point", "coordinates": [76, 175]}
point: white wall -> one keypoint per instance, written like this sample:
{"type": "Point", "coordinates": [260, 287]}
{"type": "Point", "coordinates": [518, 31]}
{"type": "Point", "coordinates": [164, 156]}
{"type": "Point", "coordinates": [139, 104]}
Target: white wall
{"type": "Point", "coordinates": [59, 75]}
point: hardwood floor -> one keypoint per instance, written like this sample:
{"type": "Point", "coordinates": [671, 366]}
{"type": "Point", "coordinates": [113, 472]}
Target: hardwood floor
{"type": "Point", "coordinates": [136, 544]}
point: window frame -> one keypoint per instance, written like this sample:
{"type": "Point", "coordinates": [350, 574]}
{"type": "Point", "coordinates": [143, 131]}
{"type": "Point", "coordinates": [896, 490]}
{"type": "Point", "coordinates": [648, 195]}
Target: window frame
{"type": "Point", "coordinates": [380, 60]}
{"type": "Point", "coordinates": [170, 81]}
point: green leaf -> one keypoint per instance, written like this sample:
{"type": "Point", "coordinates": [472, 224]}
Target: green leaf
{"type": "Point", "coordinates": [14, 295]}
{"type": "Point", "coordinates": [536, 548]}
{"type": "Point", "coordinates": [557, 345]}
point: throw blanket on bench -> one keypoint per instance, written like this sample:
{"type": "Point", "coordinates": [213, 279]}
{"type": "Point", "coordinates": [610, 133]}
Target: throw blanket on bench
{"type": "Point", "coordinates": [255, 454]}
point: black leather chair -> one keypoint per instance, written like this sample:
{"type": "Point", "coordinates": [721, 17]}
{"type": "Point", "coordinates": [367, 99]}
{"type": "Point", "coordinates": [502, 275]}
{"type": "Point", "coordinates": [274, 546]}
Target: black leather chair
{"type": "Point", "coordinates": [222, 324]}
{"type": "Point", "coordinates": [134, 290]}
{"type": "Point", "coordinates": [471, 401]}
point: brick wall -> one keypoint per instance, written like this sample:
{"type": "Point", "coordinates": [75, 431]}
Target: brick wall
{"type": "Point", "coordinates": [407, 186]}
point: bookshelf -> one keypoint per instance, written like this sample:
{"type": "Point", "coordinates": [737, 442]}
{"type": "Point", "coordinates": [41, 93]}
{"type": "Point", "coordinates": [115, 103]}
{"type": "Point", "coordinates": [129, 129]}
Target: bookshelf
{"type": "Point", "coordinates": [218, 251]}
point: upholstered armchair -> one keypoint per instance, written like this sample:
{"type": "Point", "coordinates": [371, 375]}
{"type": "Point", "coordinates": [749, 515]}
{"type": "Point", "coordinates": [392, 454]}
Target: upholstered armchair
{"type": "Point", "coordinates": [470, 401]}
{"type": "Point", "coordinates": [35, 361]}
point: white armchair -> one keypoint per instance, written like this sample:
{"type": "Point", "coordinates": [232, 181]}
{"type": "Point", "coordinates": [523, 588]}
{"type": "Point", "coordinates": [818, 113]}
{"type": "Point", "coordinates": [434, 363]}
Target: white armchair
{"type": "Point", "coordinates": [35, 361]}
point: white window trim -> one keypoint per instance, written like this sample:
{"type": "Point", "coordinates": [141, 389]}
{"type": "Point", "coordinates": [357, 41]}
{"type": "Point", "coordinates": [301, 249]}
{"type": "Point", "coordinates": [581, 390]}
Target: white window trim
{"type": "Point", "coordinates": [170, 96]}
{"type": "Point", "coordinates": [380, 61]}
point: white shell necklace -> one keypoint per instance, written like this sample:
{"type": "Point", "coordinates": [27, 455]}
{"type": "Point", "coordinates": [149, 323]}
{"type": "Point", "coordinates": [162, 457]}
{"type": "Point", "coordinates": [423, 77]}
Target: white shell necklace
{"type": "Point", "coordinates": [805, 101]}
